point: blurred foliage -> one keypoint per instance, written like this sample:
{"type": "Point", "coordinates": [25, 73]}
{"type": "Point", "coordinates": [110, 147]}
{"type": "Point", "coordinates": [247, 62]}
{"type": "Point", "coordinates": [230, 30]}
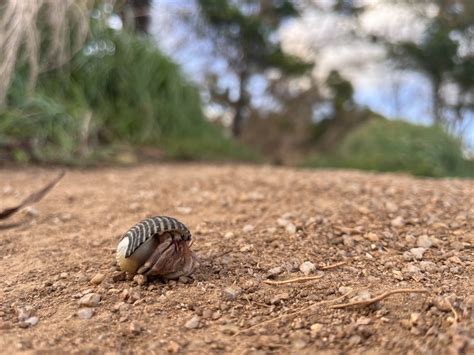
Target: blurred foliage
{"type": "Point", "coordinates": [342, 91]}
{"type": "Point", "coordinates": [445, 55]}
{"type": "Point", "coordinates": [119, 90]}
{"type": "Point", "coordinates": [399, 146]}
{"type": "Point", "coordinates": [248, 36]}
{"type": "Point", "coordinates": [44, 34]}
{"type": "Point", "coordinates": [244, 33]}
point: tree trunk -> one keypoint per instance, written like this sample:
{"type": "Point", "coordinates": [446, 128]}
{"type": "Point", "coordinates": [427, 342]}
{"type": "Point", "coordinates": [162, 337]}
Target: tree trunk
{"type": "Point", "coordinates": [240, 105]}
{"type": "Point", "coordinates": [139, 11]}
{"type": "Point", "coordinates": [436, 98]}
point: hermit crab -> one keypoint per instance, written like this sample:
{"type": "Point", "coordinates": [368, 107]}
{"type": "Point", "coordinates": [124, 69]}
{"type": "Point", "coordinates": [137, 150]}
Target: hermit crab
{"type": "Point", "coordinates": [157, 246]}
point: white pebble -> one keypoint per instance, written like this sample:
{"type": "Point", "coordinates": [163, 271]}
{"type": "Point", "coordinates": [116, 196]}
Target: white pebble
{"type": "Point", "coordinates": [424, 241]}
{"type": "Point", "coordinates": [248, 228]}
{"type": "Point", "coordinates": [90, 300]}
{"type": "Point", "coordinates": [193, 323]}
{"type": "Point", "coordinates": [307, 267]}
{"type": "Point", "coordinates": [418, 252]}
{"type": "Point", "coordinates": [85, 313]}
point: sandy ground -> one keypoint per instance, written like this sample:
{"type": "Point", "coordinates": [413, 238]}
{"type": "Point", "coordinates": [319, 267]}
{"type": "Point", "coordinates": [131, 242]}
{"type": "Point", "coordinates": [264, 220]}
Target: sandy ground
{"type": "Point", "coordinates": [250, 224]}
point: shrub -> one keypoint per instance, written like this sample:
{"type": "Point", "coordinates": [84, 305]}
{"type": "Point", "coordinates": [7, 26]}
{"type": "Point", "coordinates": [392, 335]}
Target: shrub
{"type": "Point", "coordinates": [118, 89]}
{"type": "Point", "coordinates": [385, 145]}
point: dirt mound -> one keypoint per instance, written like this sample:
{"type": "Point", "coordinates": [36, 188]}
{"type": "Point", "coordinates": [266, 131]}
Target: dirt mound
{"type": "Point", "coordinates": [250, 224]}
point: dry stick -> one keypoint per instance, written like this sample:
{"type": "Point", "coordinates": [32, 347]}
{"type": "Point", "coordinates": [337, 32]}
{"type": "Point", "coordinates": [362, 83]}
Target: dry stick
{"type": "Point", "coordinates": [379, 297]}
{"type": "Point", "coordinates": [333, 266]}
{"type": "Point", "coordinates": [298, 279]}
{"type": "Point", "coordinates": [291, 314]}
{"type": "Point", "coordinates": [456, 317]}
{"type": "Point", "coordinates": [307, 278]}
{"type": "Point", "coordinates": [34, 197]}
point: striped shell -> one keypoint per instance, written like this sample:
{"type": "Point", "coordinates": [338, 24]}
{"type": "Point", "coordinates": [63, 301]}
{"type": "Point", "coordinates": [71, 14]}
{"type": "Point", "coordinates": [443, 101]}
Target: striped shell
{"type": "Point", "coordinates": [144, 230]}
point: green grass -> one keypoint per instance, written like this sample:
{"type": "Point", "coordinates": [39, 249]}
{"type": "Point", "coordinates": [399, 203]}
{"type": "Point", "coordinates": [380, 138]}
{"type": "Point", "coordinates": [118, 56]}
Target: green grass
{"type": "Point", "coordinates": [119, 90]}
{"type": "Point", "coordinates": [398, 146]}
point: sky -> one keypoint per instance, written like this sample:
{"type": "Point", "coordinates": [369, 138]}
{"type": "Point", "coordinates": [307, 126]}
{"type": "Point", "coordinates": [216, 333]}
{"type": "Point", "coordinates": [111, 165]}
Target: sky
{"type": "Point", "coordinates": [326, 39]}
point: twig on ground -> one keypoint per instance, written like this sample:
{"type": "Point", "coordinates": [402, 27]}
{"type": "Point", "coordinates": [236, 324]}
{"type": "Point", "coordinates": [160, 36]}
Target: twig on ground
{"type": "Point", "coordinates": [456, 316]}
{"type": "Point", "coordinates": [34, 197]}
{"type": "Point", "coordinates": [306, 278]}
{"type": "Point", "coordinates": [291, 314]}
{"type": "Point", "coordinates": [333, 266]}
{"type": "Point", "coordinates": [297, 279]}
{"type": "Point", "coordinates": [379, 297]}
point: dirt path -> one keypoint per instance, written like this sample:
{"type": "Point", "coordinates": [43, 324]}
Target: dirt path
{"type": "Point", "coordinates": [248, 222]}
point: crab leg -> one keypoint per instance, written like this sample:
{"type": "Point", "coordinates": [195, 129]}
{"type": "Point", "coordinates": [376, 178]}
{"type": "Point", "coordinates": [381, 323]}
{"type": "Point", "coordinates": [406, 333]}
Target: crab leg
{"type": "Point", "coordinates": [155, 256]}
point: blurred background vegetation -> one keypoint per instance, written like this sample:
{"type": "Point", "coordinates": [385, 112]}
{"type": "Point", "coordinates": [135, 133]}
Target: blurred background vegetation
{"type": "Point", "coordinates": [280, 81]}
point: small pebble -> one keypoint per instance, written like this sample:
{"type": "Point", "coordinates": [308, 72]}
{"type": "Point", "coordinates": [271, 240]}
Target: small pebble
{"type": "Point", "coordinates": [362, 295]}
{"type": "Point", "coordinates": [407, 256]}
{"type": "Point", "coordinates": [418, 252]}
{"type": "Point", "coordinates": [397, 274]}
{"type": "Point", "coordinates": [428, 266]}
{"type": "Point", "coordinates": [316, 329]}
{"type": "Point", "coordinates": [229, 235]}
{"type": "Point", "coordinates": [97, 279]}
{"type": "Point", "coordinates": [134, 328]}
{"type": "Point", "coordinates": [140, 279]}
{"type": "Point", "coordinates": [24, 313]}
{"type": "Point", "coordinates": [173, 347]}
{"type": "Point", "coordinates": [30, 322]}
{"type": "Point", "coordinates": [184, 210]}
{"type": "Point", "coordinates": [283, 222]}
{"type": "Point", "coordinates": [372, 237]}
{"type": "Point", "coordinates": [31, 211]}
{"type": "Point", "coordinates": [307, 267]}
{"type": "Point", "coordinates": [299, 344]}
{"type": "Point", "coordinates": [355, 340]}
{"type": "Point", "coordinates": [397, 222]}
{"type": "Point", "coordinates": [184, 280]}
{"type": "Point", "coordinates": [193, 323]}
{"type": "Point", "coordinates": [291, 228]}
{"type": "Point", "coordinates": [274, 272]}
{"type": "Point", "coordinates": [442, 304]}
{"type": "Point", "coordinates": [280, 297]}
{"type": "Point", "coordinates": [344, 289]}
{"type": "Point", "coordinates": [85, 313]}
{"type": "Point", "coordinates": [231, 292]}
{"type": "Point", "coordinates": [391, 207]}
{"type": "Point", "coordinates": [216, 315]}
{"type": "Point", "coordinates": [248, 228]}
{"type": "Point", "coordinates": [424, 241]}
{"type": "Point", "coordinates": [412, 268]}
{"type": "Point", "coordinates": [363, 321]}
{"type": "Point", "coordinates": [90, 300]}
{"type": "Point", "coordinates": [246, 248]}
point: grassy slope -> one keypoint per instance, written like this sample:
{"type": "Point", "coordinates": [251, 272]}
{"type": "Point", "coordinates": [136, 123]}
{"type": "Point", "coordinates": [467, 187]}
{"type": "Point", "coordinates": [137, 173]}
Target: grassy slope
{"type": "Point", "coordinates": [119, 90]}
{"type": "Point", "coordinates": [385, 145]}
